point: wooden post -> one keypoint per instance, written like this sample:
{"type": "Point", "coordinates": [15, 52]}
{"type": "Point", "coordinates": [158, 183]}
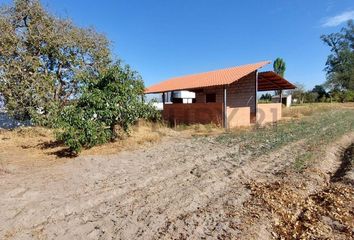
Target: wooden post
{"type": "Point", "coordinates": [225, 108]}
{"type": "Point", "coordinates": [171, 97]}
{"type": "Point", "coordinates": [163, 98]}
{"type": "Point", "coordinates": [281, 96]}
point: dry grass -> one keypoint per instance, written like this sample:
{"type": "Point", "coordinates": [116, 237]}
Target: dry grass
{"type": "Point", "coordinates": [298, 111]}
{"type": "Point", "coordinates": [141, 134]}
{"type": "Point", "coordinates": [27, 145]}
{"type": "Point", "coordinates": [37, 146]}
{"type": "Point", "coordinates": [200, 129]}
{"type": "Point", "coordinates": [316, 131]}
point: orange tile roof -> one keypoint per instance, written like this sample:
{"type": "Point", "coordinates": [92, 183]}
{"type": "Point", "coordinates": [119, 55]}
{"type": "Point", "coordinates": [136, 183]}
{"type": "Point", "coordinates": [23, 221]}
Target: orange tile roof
{"type": "Point", "coordinates": [207, 79]}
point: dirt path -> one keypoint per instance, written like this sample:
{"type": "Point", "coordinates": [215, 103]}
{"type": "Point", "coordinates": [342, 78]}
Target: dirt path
{"type": "Point", "coordinates": [181, 188]}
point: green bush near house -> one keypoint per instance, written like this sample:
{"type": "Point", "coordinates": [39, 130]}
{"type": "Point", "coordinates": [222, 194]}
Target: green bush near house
{"type": "Point", "coordinates": [109, 105]}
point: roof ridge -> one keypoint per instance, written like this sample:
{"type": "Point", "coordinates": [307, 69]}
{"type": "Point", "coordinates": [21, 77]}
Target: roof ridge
{"type": "Point", "coordinates": [217, 70]}
{"type": "Point", "coordinates": [205, 79]}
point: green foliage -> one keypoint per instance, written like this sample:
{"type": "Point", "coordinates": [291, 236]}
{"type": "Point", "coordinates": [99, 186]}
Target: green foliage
{"type": "Point", "coordinates": [320, 93]}
{"type": "Point", "coordinates": [112, 99]}
{"type": "Point", "coordinates": [302, 161]}
{"type": "Point", "coordinates": [81, 129]}
{"type": "Point", "coordinates": [317, 94]}
{"type": "Point", "coordinates": [342, 96]}
{"type": "Point", "coordinates": [266, 97]}
{"type": "Point", "coordinates": [43, 58]}
{"type": "Point", "coordinates": [279, 66]}
{"type": "Point", "coordinates": [310, 97]}
{"type": "Point", "coordinates": [340, 63]}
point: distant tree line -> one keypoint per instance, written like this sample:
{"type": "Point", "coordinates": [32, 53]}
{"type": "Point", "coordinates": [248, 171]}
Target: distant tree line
{"type": "Point", "coordinates": [339, 85]}
{"type": "Point", "coordinates": [340, 64]}
{"type": "Point", "coordinates": [317, 94]}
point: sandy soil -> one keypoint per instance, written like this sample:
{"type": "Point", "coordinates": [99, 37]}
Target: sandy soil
{"type": "Point", "coordinates": [178, 188]}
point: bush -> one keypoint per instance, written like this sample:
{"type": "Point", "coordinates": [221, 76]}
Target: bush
{"type": "Point", "coordinates": [80, 129]}
{"type": "Point", "coordinates": [114, 98]}
{"type": "Point", "coordinates": [349, 96]}
{"type": "Point", "coordinates": [343, 96]}
{"type": "Point", "coordinates": [266, 97]}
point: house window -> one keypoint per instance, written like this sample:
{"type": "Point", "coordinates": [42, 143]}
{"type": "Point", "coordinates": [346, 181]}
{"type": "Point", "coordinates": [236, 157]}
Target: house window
{"type": "Point", "coordinates": [210, 97]}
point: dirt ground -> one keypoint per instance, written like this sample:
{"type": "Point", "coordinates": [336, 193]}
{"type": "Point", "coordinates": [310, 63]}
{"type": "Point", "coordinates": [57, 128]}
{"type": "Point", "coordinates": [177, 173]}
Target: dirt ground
{"type": "Point", "coordinates": [177, 187]}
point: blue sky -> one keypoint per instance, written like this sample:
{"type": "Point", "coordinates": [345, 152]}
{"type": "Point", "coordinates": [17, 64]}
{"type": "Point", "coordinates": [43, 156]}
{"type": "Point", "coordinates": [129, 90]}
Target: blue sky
{"type": "Point", "coordinates": [168, 38]}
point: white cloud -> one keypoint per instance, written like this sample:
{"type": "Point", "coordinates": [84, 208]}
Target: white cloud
{"type": "Point", "coordinates": [339, 19]}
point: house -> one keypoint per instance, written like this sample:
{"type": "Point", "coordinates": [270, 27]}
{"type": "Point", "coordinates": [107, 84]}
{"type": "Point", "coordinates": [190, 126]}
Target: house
{"type": "Point", "coordinates": [285, 99]}
{"type": "Point", "coordinates": [227, 97]}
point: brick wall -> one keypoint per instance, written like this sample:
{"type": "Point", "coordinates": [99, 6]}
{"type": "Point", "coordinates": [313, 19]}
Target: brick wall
{"type": "Point", "coordinates": [239, 94]}
{"type": "Point", "coordinates": [243, 93]}
{"type": "Point", "coordinates": [201, 96]}
{"type": "Point", "coordinates": [241, 103]}
{"type": "Point", "coordinates": [193, 113]}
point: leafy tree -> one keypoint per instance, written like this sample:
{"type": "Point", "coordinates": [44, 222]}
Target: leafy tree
{"type": "Point", "coordinates": [279, 66]}
{"type": "Point", "coordinates": [112, 99]}
{"type": "Point", "coordinates": [43, 58]}
{"type": "Point", "coordinates": [340, 63]}
{"type": "Point", "coordinates": [321, 92]}
{"type": "Point", "coordinates": [310, 97]}
{"type": "Point", "coordinates": [342, 96]}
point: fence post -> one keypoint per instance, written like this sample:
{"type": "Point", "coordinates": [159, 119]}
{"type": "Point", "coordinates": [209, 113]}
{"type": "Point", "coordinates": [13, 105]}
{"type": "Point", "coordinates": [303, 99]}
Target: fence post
{"type": "Point", "coordinates": [225, 108]}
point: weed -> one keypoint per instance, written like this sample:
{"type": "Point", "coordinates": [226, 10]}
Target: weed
{"type": "Point", "coordinates": [315, 130]}
{"type": "Point", "coordinates": [302, 161]}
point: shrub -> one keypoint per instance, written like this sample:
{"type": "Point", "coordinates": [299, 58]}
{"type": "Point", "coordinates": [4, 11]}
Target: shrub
{"type": "Point", "coordinates": [349, 96]}
{"type": "Point", "coordinates": [111, 99]}
{"type": "Point", "coordinates": [343, 96]}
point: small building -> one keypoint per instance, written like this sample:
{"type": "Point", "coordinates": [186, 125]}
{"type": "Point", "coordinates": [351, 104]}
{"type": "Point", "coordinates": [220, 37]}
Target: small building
{"type": "Point", "coordinates": [226, 97]}
{"type": "Point", "coordinates": [286, 100]}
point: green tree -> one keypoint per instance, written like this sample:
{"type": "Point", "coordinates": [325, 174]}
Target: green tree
{"type": "Point", "coordinates": [43, 58]}
{"type": "Point", "coordinates": [279, 66]}
{"type": "Point", "coordinates": [112, 99]}
{"type": "Point", "coordinates": [266, 97]}
{"type": "Point", "coordinates": [342, 96]}
{"type": "Point", "coordinates": [321, 93]}
{"type": "Point", "coordinates": [310, 97]}
{"type": "Point", "coordinates": [340, 63]}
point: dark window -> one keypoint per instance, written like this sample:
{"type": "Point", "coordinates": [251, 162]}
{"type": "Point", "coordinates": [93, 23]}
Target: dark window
{"type": "Point", "coordinates": [210, 97]}
{"type": "Point", "coordinates": [177, 100]}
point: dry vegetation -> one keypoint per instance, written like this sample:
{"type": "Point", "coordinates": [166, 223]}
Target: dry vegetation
{"type": "Point", "coordinates": [36, 146]}
{"type": "Point", "coordinates": [291, 180]}
{"type": "Point", "coordinates": [298, 111]}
